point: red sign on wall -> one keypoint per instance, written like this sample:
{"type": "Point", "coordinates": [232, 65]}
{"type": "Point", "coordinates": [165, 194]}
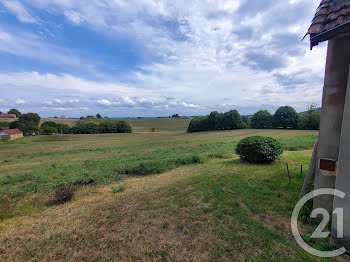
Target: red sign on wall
{"type": "Point", "coordinates": [328, 165]}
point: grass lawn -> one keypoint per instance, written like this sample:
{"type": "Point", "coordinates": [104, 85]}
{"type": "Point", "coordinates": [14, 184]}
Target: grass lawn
{"type": "Point", "coordinates": [151, 196]}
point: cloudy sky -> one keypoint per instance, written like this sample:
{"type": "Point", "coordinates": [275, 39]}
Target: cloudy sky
{"type": "Point", "coordinates": [157, 57]}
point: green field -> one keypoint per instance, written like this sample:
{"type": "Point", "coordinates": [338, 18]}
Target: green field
{"type": "Point", "coordinates": [150, 196]}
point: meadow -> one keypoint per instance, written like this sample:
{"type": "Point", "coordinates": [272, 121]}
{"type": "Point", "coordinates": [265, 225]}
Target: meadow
{"type": "Point", "coordinates": [166, 195]}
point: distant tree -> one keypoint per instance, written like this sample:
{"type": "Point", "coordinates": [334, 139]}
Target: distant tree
{"type": "Point", "coordinates": [106, 126]}
{"type": "Point", "coordinates": [28, 123]}
{"type": "Point", "coordinates": [14, 125]}
{"type": "Point", "coordinates": [198, 124]}
{"type": "Point", "coordinates": [310, 121]}
{"type": "Point", "coordinates": [303, 121]}
{"type": "Point", "coordinates": [214, 120]}
{"type": "Point", "coordinates": [30, 117]}
{"type": "Point", "coordinates": [261, 120]}
{"type": "Point", "coordinates": [63, 128]}
{"type": "Point", "coordinates": [85, 128]}
{"type": "Point", "coordinates": [314, 120]}
{"type": "Point", "coordinates": [98, 116]}
{"type": "Point", "coordinates": [175, 115]}
{"type": "Point", "coordinates": [285, 117]}
{"type": "Point", "coordinates": [81, 118]}
{"type": "Point", "coordinates": [312, 108]}
{"type": "Point", "coordinates": [124, 127]}
{"type": "Point", "coordinates": [246, 121]}
{"type": "Point", "coordinates": [14, 111]}
{"type": "Point", "coordinates": [231, 120]}
{"type": "Point", "coordinates": [48, 130]}
{"type": "Point", "coordinates": [50, 124]}
{"type": "Point", "coordinates": [28, 126]}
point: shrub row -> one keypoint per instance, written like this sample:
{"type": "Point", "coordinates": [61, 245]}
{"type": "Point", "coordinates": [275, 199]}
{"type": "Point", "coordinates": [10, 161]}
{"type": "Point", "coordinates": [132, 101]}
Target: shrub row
{"type": "Point", "coordinates": [83, 127]}
{"type": "Point", "coordinates": [217, 121]}
{"type": "Point", "coordinates": [287, 117]}
{"type": "Point", "coordinates": [106, 126]}
{"type": "Point", "coordinates": [284, 117]}
{"type": "Point", "coordinates": [50, 127]}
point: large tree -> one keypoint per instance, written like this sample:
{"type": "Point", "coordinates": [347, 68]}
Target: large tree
{"type": "Point", "coordinates": [261, 120]}
{"type": "Point", "coordinates": [285, 117]}
{"type": "Point", "coordinates": [214, 120]}
{"type": "Point", "coordinates": [14, 111]}
{"type": "Point", "coordinates": [198, 124]}
{"type": "Point", "coordinates": [30, 117]}
{"type": "Point", "coordinates": [28, 123]}
{"type": "Point", "coordinates": [231, 120]}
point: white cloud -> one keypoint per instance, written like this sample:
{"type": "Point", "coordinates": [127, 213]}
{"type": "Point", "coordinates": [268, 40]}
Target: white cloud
{"type": "Point", "coordinates": [58, 101]}
{"type": "Point", "coordinates": [191, 105]}
{"type": "Point", "coordinates": [104, 102]}
{"type": "Point", "coordinates": [128, 100]}
{"type": "Point", "coordinates": [209, 54]}
{"type": "Point", "coordinates": [20, 102]}
{"type": "Point", "coordinates": [74, 16]}
{"type": "Point", "coordinates": [19, 10]}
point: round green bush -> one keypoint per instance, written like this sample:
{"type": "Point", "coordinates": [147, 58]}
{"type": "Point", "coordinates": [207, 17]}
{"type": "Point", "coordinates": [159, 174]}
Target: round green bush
{"type": "Point", "coordinates": [259, 149]}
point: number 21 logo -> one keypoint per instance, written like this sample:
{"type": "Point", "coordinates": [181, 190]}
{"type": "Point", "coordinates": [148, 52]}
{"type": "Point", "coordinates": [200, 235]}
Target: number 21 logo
{"type": "Point", "coordinates": [319, 232]}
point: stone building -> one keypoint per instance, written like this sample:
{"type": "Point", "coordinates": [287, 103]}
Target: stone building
{"type": "Point", "coordinates": [10, 134]}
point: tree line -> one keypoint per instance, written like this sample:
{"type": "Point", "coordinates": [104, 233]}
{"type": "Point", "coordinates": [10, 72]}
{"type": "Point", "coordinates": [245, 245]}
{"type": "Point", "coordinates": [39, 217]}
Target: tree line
{"type": "Point", "coordinates": [284, 117]}
{"type": "Point", "coordinates": [30, 124]}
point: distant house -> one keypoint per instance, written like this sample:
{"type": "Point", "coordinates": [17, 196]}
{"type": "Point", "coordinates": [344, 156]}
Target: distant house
{"type": "Point", "coordinates": [10, 134]}
{"type": "Point", "coordinates": [8, 116]}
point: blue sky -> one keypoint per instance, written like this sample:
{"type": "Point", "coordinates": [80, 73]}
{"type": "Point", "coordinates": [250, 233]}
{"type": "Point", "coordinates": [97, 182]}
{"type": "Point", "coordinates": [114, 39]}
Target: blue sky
{"type": "Point", "coordinates": [156, 57]}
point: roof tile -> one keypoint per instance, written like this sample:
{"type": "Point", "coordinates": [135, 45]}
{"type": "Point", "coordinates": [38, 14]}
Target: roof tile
{"type": "Point", "coordinates": [331, 14]}
{"type": "Point", "coordinates": [13, 131]}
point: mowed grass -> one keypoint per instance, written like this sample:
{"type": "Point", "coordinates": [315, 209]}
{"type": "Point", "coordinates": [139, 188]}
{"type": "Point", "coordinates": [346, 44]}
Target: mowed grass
{"type": "Point", "coordinates": [150, 196]}
{"type": "Point", "coordinates": [160, 124]}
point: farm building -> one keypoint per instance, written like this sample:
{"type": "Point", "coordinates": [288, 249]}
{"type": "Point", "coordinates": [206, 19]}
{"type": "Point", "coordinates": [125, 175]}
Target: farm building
{"type": "Point", "coordinates": [8, 116]}
{"type": "Point", "coordinates": [331, 158]}
{"type": "Point", "coordinates": [10, 134]}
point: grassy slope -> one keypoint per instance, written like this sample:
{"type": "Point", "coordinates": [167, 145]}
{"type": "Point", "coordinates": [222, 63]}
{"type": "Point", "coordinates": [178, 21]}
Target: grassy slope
{"type": "Point", "coordinates": [67, 121]}
{"type": "Point", "coordinates": [220, 210]}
